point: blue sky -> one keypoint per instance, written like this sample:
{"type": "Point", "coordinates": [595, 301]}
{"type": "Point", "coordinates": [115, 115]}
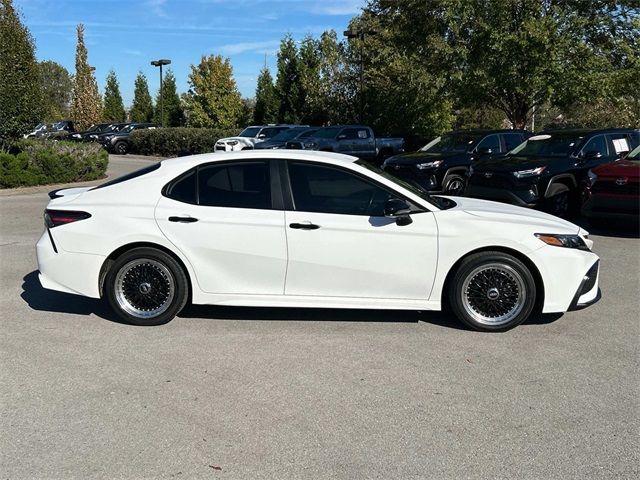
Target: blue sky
{"type": "Point", "coordinates": [126, 34]}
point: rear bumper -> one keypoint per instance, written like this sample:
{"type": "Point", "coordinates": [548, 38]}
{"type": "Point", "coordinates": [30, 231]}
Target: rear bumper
{"type": "Point", "coordinates": [76, 273]}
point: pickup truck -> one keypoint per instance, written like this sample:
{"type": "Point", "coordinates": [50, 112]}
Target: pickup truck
{"type": "Point", "coordinates": [356, 140]}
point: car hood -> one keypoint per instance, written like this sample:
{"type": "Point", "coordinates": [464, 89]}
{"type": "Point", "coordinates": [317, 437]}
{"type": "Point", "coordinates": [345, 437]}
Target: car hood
{"type": "Point", "coordinates": [626, 168]}
{"type": "Point", "coordinates": [506, 213]}
{"type": "Point", "coordinates": [239, 139]}
{"type": "Point", "coordinates": [268, 144]}
{"type": "Point", "coordinates": [418, 157]}
{"type": "Point", "coordinates": [514, 163]}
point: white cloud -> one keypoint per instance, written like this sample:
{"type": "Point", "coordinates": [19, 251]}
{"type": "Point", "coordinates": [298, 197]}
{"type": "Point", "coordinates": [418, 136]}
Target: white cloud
{"type": "Point", "coordinates": [136, 53]}
{"type": "Point", "coordinates": [268, 47]}
{"type": "Point", "coordinates": [338, 7]}
{"type": "Point", "coordinates": [157, 7]}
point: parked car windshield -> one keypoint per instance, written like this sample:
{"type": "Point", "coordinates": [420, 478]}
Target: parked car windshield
{"type": "Point", "coordinates": [460, 142]}
{"type": "Point", "coordinates": [327, 132]}
{"type": "Point", "coordinates": [250, 132]}
{"type": "Point", "coordinates": [634, 155]}
{"type": "Point", "coordinates": [548, 145]}
{"type": "Point", "coordinates": [287, 134]}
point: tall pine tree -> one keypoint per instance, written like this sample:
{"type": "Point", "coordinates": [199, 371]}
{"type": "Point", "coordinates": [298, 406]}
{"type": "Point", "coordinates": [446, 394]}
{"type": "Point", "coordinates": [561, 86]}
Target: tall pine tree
{"type": "Point", "coordinates": [173, 111]}
{"type": "Point", "coordinates": [19, 76]}
{"type": "Point", "coordinates": [113, 106]}
{"type": "Point", "coordinates": [288, 82]}
{"type": "Point", "coordinates": [86, 108]}
{"type": "Point", "coordinates": [142, 107]}
{"type": "Point", "coordinates": [267, 105]}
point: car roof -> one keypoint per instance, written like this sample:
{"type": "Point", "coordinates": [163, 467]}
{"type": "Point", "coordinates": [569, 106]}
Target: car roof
{"type": "Point", "coordinates": [587, 131]}
{"type": "Point", "coordinates": [483, 131]}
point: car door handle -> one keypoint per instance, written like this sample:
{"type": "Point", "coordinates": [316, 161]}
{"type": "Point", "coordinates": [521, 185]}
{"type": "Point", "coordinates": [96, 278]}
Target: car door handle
{"type": "Point", "coordinates": [183, 219]}
{"type": "Point", "coordinates": [304, 226]}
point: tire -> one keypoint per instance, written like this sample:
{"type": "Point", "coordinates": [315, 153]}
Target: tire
{"type": "Point", "coordinates": [136, 276]}
{"type": "Point", "coordinates": [561, 203]}
{"type": "Point", "coordinates": [121, 148]}
{"type": "Point", "coordinates": [492, 292]}
{"type": "Point", "coordinates": [455, 185]}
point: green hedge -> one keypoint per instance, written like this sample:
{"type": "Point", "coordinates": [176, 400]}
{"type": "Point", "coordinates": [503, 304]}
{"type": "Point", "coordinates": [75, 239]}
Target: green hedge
{"type": "Point", "coordinates": [171, 142]}
{"type": "Point", "coordinates": [40, 162]}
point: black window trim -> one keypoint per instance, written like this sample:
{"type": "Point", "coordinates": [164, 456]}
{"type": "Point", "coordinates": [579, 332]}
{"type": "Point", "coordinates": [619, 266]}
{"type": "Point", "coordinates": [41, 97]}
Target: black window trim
{"type": "Point", "coordinates": [287, 191]}
{"type": "Point", "coordinates": [582, 152]}
{"type": "Point", "coordinates": [274, 182]}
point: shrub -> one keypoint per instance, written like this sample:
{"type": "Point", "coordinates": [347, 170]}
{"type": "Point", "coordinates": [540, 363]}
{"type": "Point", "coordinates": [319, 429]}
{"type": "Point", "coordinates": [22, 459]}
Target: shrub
{"type": "Point", "coordinates": [170, 142]}
{"type": "Point", "coordinates": [39, 162]}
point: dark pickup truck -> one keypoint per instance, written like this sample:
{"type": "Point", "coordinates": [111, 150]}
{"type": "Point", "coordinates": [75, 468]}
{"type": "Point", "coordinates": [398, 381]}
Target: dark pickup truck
{"type": "Point", "coordinates": [356, 140]}
{"type": "Point", "coordinates": [442, 164]}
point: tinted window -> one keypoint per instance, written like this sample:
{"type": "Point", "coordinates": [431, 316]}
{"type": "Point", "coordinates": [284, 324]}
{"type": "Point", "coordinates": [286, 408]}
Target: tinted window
{"type": "Point", "coordinates": [596, 144]}
{"type": "Point", "coordinates": [241, 185]}
{"type": "Point", "coordinates": [549, 144]}
{"type": "Point", "coordinates": [355, 133]}
{"type": "Point", "coordinates": [512, 140]}
{"type": "Point", "coordinates": [330, 190]}
{"type": "Point", "coordinates": [620, 142]}
{"type": "Point", "coordinates": [491, 142]}
{"type": "Point", "coordinates": [459, 142]}
{"type": "Point", "coordinates": [271, 132]}
{"type": "Point", "coordinates": [184, 189]}
{"type": "Point", "coordinates": [250, 132]}
{"type": "Point", "coordinates": [328, 132]}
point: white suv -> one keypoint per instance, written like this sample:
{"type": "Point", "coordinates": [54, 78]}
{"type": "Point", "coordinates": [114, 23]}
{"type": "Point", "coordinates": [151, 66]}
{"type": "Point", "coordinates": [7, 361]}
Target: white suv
{"type": "Point", "coordinates": [250, 136]}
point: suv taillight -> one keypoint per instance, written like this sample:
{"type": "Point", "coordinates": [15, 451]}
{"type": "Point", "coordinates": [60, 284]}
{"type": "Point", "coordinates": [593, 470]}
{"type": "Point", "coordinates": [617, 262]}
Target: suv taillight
{"type": "Point", "coordinates": [54, 218]}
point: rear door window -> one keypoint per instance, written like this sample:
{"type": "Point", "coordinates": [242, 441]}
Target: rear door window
{"type": "Point", "coordinates": [239, 185]}
{"type": "Point", "coordinates": [491, 142]}
{"type": "Point", "coordinates": [512, 140]}
{"type": "Point", "coordinates": [620, 143]}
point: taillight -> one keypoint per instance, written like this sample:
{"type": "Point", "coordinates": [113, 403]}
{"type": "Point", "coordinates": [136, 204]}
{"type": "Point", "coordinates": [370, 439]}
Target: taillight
{"type": "Point", "coordinates": [54, 218]}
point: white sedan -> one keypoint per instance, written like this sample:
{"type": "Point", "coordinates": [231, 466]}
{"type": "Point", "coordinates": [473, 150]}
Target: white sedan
{"type": "Point", "coordinates": [307, 229]}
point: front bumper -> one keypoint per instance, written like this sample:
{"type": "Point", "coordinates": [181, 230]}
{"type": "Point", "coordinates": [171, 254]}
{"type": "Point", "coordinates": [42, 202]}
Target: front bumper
{"type": "Point", "coordinates": [588, 292]}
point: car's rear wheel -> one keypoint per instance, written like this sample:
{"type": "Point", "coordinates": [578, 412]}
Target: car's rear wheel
{"type": "Point", "coordinates": [146, 287]}
{"type": "Point", "coordinates": [492, 291]}
{"type": "Point", "coordinates": [121, 148]}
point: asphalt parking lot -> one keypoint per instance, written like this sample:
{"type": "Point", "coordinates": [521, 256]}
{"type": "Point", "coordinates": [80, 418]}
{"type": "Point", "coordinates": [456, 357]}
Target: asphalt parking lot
{"type": "Point", "coordinates": [276, 393]}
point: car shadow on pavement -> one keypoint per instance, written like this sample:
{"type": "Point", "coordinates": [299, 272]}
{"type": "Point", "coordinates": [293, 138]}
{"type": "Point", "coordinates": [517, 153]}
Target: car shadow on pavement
{"type": "Point", "coordinates": [39, 298]}
{"type": "Point", "coordinates": [609, 228]}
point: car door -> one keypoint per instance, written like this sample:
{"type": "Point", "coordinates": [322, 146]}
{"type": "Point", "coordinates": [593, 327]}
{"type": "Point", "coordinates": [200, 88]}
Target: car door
{"type": "Point", "coordinates": [341, 245]}
{"type": "Point", "coordinates": [363, 143]}
{"type": "Point", "coordinates": [344, 141]}
{"type": "Point", "coordinates": [594, 152]}
{"type": "Point", "coordinates": [221, 216]}
{"type": "Point", "coordinates": [489, 146]}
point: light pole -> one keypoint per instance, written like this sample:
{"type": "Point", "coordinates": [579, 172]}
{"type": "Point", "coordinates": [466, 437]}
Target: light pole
{"type": "Point", "coordinates": [160, 63]}
{"type": "Point", "coordinates": [360, 34]}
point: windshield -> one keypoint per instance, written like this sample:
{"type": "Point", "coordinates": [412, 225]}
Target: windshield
{"type": "Point", "coordinates": [128, 128]}
{"type": "Point", "coordinates": [287, 135]}
{"type": "Point", "coordinates": [250, 132]}
{"type": "Point", "coordinates": [635, 154]}
{"type": "Point", "coordinates": [415, 189]}
{"type": "Point", "coordinates": [459, 142]}
{"type": "Point", "coordinates": [327, 132]}
{"type": "Point", "coordinates": [549, 145]}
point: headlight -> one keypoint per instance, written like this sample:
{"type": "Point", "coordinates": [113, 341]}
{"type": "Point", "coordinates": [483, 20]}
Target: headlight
{"type": "Point", "coordinates": [424, 166]}
{"type": "Point", "coordinates": [76, 135]}
{"type": "Point", "coordinates": [529, 173]}
{"type": "Point", "coordinates": [233, 143]}
{"type": "Point", "coordinates": [568, 241]}
{"type": "Point", "coordinates": [592, 178]}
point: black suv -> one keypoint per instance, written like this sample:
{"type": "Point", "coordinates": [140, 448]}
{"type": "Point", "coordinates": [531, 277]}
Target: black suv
{"type": "Point", "coordinates": [118, 142]}
{"type": "Point", "coordinates": [442, 164]}
{"type": "Point", "coordinates": [547, 170]}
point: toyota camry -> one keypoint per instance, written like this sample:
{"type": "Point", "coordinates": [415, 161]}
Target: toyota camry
{"type": "Point", "coordinates": [307, 229]}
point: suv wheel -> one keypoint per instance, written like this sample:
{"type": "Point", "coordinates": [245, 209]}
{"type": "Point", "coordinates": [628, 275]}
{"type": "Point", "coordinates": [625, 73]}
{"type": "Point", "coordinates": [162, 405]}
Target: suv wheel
{"type": "Point", "coordinates": [492, 291]}
{"type": "Point", "coordinates": [455, 185]}
{"type": "Point", "coordinates": [121, 148]}
{"type": "Point", "coordinates": [560, 203]}
{"type": "Point", "coordinates": [146, 287]}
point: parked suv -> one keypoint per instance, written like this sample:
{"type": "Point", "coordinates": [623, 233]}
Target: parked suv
{"type": "Point", "coordinates": [612, 190]}
{"type": "Point", "coordinates": [442, 164]}
{"type": "Point", "coordinates": [547, 170]}
{"type": "Point", "coordinates": [250, 136]}
{"type": "Point", "coordinates": [94, 130]}
{"type": "Point", "coordinates": [118, 142]}
{"type": "Point", "coordinates": [281, 139]}
{"type": "Point", "coordinates": [356, 140]}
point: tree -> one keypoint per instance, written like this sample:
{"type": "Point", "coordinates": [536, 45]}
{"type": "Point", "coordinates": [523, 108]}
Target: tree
{"type": "Point", "coordinates": [247, 115]}
{"type": "Point", "coordinates": [173, 111]}
{"type": "Point", "coordinates": [56, 86]}
{"type": "Point", "coordinates": [142, 107]}
{"type": "Point", "coordinates": [213, 99]}
{"type": "Point", "coordinates": [86, 108]}
{"type": "Point", "coordinates": [20, 95]}
{"type": "Point", "coordinates": [288, 82]}
{"type": "Point", "coordinates": [266, 104]}
{"type": "Point", "coordinates": [113, 106]}
{"type": "Point", "coordinates": [309, 65]}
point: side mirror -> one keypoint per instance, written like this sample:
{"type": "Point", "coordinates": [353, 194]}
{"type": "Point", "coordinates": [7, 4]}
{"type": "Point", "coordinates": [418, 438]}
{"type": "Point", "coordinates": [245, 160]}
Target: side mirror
{"type": "Point", "coordinates": [342, 136]}
{"type": "Point", "coordinates": [262, 135]}
{"type": "Point", "coordinates": [592, 154]}
{"type": "Point", "coordinates": [398, 209]}
{"type": "Point", "coordinates": [485, 151]}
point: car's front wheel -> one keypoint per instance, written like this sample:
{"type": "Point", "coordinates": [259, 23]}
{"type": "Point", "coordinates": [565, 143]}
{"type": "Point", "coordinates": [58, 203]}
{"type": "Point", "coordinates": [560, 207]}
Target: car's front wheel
{"type": "Point", "coordinates": [492, 291]}
{"type": "Point", "coordinates": [146, 287]}
{"type": "Point", "coordinates": [121, 148]}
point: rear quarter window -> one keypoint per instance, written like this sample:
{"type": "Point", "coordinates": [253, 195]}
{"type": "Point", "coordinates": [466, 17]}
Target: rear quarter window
{"type": "Point", "coordinates": [129, 176]}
